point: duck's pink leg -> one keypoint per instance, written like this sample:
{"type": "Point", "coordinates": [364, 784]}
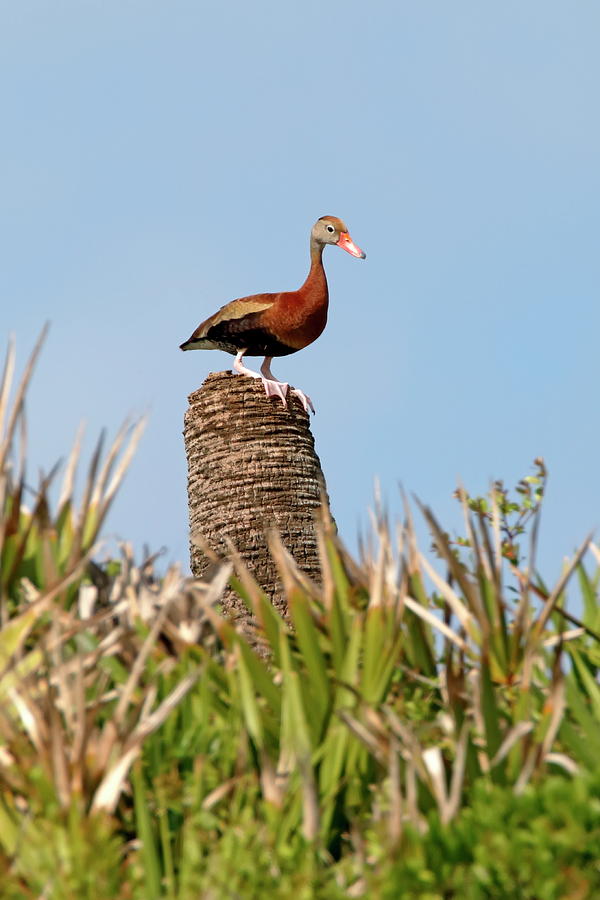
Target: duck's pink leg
{"type": "Point", "coordinates": [241, 369]}
{"type": "Point", "coordinates": [273, 388]}
{"type": "Point", "coordinates": [304, 398]}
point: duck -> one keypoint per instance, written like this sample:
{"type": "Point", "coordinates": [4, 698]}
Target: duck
{"type": "Point", "coordinates": [274, 325]}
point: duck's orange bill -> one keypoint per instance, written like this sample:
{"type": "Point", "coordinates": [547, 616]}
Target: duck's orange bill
{"type": "Point", "coordinates": [347, 244]}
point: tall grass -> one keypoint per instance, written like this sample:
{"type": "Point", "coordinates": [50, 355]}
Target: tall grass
{"type": "Point", "coordinates": [411, 709]}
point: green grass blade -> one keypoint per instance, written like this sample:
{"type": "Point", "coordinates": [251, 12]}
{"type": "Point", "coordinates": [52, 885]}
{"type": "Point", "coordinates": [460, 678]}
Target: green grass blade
{"type": "Point", "coordinates": [149, 850]}
{"type": "Point", "coordinates": [307, 634]}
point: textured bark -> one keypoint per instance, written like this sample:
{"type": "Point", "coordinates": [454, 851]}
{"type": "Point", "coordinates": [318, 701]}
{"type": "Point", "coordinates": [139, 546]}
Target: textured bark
{"type": "Point", "coordinates": [252, 467]}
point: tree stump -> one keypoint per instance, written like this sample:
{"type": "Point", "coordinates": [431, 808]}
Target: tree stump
{"type": "Point", "coordinates": [252, 467]}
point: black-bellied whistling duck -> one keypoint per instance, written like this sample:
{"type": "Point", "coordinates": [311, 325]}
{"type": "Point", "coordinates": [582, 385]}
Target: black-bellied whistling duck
{"type": "Point", "coordinates": [277, 324]}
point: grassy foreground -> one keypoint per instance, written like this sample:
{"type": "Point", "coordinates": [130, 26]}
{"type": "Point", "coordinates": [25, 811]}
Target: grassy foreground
{"type": "Point", "coordinates": [427, 725]}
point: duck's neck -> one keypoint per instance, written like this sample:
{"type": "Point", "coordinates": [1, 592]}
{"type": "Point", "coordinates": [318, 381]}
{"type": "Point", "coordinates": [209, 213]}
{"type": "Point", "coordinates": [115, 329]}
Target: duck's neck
{"type": "Point", "coordinates": [316, 253]}
{"type": "Point", "coordinates": [316, 282]}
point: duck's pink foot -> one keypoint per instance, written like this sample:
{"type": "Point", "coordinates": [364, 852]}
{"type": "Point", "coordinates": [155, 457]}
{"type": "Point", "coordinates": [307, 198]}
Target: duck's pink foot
{"type": "Point", "coordinates": [304, 400]}
{"type": "Point", "coordinates": [241, 369]}
{"type": "Point", "coordinates": [275, 388]}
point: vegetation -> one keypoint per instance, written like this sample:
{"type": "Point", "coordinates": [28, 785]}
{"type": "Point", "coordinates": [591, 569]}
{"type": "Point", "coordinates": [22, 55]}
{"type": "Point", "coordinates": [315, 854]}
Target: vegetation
{"type": "Point", "coordinates": [418, 728]}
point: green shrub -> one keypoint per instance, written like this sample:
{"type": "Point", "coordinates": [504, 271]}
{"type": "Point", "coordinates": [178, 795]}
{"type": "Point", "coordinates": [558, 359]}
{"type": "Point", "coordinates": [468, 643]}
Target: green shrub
{"type": "Point", "coordinates": [543, 843]}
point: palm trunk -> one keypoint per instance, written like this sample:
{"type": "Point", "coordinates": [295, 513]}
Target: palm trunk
{"type": "Point", "coordinates": [252, 467]}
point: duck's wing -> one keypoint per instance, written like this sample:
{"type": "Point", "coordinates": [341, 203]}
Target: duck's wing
{"type": "Point", "coordinates": [223, 329]}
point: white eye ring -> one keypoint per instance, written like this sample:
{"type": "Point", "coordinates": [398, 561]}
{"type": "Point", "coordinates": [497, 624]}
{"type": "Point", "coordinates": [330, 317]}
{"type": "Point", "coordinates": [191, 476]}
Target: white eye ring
{"type": "Point", "coordinates": [330, 229]}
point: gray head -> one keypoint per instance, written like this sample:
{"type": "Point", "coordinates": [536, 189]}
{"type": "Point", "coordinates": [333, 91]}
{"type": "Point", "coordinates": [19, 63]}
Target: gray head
{"type": "Point", "coordinates": [331, 230]}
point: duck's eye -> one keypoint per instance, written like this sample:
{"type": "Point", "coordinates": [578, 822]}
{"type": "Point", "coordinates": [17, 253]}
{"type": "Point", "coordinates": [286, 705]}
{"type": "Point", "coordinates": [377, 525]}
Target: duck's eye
{"type": "Point", "coordinates": [330, 229]}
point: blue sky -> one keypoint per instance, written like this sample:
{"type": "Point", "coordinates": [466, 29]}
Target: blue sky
{"type": "Point", "coordinates": [159, 159]}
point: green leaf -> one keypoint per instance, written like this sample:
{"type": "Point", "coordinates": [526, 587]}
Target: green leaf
{"type": "Point", "coordinates": [250, 708]}
{"type": "Point", "coordinates": [589, 682]}
{"type": "Point", "coordinates": [14, 634]}
{"type": "Point", "coordinates": [491, 718]}
{"type": "Point", "coordinates": [149, 850]}
{"type": "Point", "coordinates": [312, 658]}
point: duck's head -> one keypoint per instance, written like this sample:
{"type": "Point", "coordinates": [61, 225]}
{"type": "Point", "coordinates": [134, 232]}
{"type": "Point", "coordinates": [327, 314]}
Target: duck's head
{"type": "Point", "coordinates": [331, 230]}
